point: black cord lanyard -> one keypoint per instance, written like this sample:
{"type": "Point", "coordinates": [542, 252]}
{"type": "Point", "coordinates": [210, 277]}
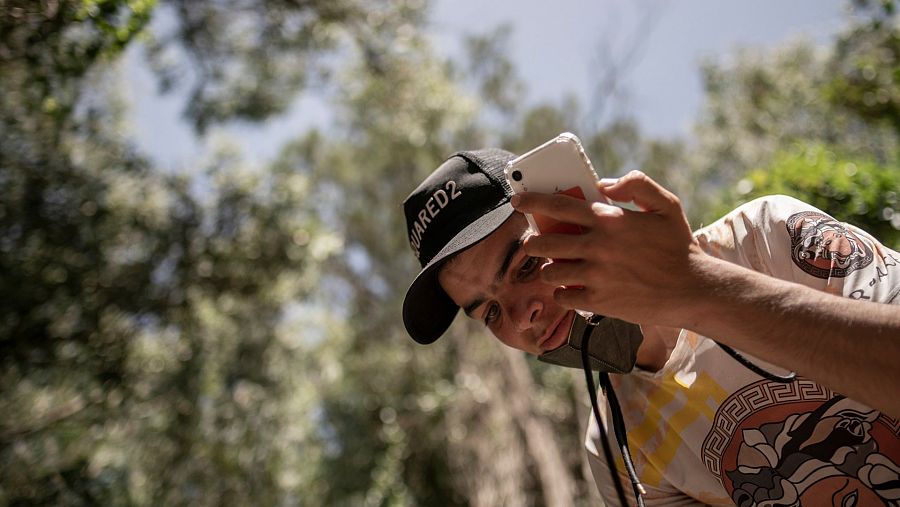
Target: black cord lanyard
{"type": "Point", "coordinates": [746, 363]}
{"type": "Point", "coordinates": [618, 422]}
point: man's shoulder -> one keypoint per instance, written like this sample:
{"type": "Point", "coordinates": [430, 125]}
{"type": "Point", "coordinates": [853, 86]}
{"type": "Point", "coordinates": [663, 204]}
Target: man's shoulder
{"type": "Point", "coordinates": [756, 234]}
{"type": "Point", "coordinates": [761, 212]}
{"type": "Point", "coordinates": [772, 207]}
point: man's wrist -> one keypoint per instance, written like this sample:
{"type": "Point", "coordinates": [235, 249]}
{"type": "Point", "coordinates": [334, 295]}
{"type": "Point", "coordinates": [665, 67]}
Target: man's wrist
{"type": "Point", "coordinates": [701, 292]}
{"type": "Point", "coordinates": [715, 287]}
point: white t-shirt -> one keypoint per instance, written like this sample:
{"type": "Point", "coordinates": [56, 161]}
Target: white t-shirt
{"type": "Point", "coordinates": [705, 430]}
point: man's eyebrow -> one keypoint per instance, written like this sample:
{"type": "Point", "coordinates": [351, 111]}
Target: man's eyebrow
{"type": "Point", "coordinates": [469, 308]}
{"type": "Point", "coordinates": [511, 250]}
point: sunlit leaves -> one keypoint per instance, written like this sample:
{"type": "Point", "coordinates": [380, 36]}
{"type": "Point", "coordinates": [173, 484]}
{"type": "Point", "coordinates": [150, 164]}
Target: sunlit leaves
{"type": "Point", "coordinates": [248, 59]}
{"type": "Point", "coordinates": [763, 103]}
{"type": "Point", "coordinates": [857, 190]}
{"type": "Point", "coordinates": [866, 67]}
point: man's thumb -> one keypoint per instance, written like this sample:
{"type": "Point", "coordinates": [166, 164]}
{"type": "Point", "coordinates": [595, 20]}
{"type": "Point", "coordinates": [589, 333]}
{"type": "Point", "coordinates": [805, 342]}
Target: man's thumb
{"type": "Point", "coordinates": [639, 188]}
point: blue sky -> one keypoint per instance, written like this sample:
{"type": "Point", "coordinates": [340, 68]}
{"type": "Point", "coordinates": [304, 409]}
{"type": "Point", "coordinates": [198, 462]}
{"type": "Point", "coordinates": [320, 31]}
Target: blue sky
{"type": "Point", "coordinates": [556, 48]}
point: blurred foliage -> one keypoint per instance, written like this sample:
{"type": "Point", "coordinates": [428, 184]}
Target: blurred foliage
{"type": "Point", "coordinates": [865, 65]}
{"type": "Point", "coordinates": [46, 47]}
{"type": "Point", "coordinates": [758, 105]}
{"type": "Point", "coordinates": [248, 59]}
{"type": "Point", "coordinates": [421, 425]}
{"type": "Point", "coordinates": [142, 360]}
{"type": "Point", "coordinates": [151, 327]}
{"type": "Point", "coordinates": [761, 105]}
{"type": "Point", "coordinates": [227, 335]}
{"type": "Point", "coordinates": [489, 66]}
{"type": "Point", "coordinates": [858, 191]}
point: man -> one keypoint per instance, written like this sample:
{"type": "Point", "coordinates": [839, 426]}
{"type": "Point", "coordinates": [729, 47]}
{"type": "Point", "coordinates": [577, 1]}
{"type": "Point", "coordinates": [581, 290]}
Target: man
{"type": "Point", "coordinates": [763, 279]}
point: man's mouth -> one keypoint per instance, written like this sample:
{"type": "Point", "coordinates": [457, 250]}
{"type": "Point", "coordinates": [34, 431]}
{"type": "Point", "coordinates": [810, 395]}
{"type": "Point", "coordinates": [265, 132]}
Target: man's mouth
{"type": "Point", "coordinates": [557, 333]}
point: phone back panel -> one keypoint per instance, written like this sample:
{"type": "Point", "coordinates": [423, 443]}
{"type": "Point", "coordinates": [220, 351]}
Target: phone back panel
{"type": "Point", "coordinates": [559, 166]}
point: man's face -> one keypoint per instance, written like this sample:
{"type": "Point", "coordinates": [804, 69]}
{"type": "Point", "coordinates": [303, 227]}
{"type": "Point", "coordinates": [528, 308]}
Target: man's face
{"type": "Point", "coordinates": [496, 283]}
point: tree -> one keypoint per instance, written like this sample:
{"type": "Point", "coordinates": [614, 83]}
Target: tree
{"type": "Point", "coordinates": [152, 343]}
{"type": "Point", "coordinates": [864, 65]}
{"type": "Point", "coordinates": [167, 336]}
{"type": "Point", "coordinates": [763, 104]}
{"type": "Point", "coordinates": [854, 190]}
{"type": "Point", "coordinates": [457, 423]}
{"type": "Point", "coordinates": [248, 59]}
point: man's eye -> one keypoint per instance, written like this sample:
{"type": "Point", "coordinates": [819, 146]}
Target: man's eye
{"type": "Point", "coordinates": [528, 267]}
{"type": "Point", "coordinates": [492, 314]}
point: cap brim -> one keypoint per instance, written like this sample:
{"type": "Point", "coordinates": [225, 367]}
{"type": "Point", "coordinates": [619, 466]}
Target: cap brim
{"type": "Point", "coordinates": [427, 310]}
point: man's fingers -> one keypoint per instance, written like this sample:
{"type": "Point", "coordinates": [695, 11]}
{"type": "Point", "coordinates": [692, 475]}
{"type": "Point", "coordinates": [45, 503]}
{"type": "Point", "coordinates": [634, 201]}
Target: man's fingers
{"type": "Point", "coordinates": [563, 208]}
{"type": "Point", "coordinates": [555, 246]}
{"type": "Point", "coordinates": [640, 188]}
{"type": "Point", "coordinates": [571, 297]}
{"type": "Point", "coordinates": [564, 272]}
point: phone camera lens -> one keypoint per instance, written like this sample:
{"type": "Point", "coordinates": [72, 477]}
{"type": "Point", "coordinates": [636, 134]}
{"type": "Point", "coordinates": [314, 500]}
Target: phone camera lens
{"type": "Point", "coordinates": [517, 175]}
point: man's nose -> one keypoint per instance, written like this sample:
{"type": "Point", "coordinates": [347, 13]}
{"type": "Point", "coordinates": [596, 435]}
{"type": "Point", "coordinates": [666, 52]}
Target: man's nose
{"type": "Point", "coordinates": [528, 313]}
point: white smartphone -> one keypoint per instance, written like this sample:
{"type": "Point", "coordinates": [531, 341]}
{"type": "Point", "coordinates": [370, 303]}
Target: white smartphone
{"type": "Point", "coordinates": [559, 166]}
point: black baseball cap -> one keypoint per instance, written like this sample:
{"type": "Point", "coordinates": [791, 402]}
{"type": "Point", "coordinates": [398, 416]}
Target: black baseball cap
{"type": "Point", "coordinates": [464, 200]}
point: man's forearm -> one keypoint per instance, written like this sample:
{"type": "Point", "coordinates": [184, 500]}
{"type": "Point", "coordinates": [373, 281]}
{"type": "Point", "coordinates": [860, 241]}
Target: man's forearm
{"type": "Point", "coordinates": [850, 346]}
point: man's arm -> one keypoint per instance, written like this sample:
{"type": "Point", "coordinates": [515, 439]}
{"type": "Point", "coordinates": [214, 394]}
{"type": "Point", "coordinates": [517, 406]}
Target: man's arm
{"type": "Point", "coordinates": [646, 267]}
{"type": "Point", "coordinates": [848, 345]}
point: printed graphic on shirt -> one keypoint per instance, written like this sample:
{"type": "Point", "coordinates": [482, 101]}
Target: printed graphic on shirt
{"type": "Point", "coordinates": [802, 444]}
{"type": "Point", "coordinates": [824, 248]}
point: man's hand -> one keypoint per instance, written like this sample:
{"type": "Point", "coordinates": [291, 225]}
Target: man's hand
{"type": "Point", "coordinates": [634, 265]}
{"type": "Point", "coordinates": [645, 267]}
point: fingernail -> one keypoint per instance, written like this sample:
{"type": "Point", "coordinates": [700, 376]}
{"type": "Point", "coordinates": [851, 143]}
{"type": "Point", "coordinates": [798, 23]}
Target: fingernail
{"type": "Point", "coordinates": [515, 201]}
{"type": "Point", "coordinates": [601, 207]}
{"type": "Point", "coordinates": [607, 182]}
